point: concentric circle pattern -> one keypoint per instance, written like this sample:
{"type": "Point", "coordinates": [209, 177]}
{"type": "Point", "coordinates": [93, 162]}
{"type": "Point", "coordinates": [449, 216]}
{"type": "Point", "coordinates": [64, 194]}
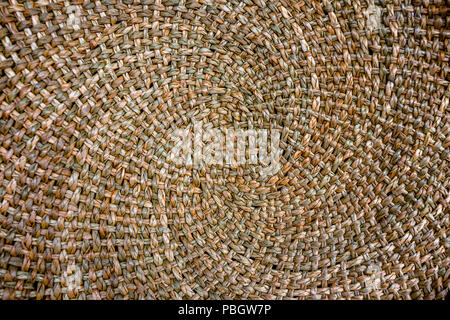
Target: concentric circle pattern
{"type": "Point", "coordinates": [92, 207]}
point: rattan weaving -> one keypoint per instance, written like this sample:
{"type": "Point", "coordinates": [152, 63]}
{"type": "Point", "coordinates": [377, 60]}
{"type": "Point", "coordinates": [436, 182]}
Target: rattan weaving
{"type": "Point", "coordinates": [91, 207]}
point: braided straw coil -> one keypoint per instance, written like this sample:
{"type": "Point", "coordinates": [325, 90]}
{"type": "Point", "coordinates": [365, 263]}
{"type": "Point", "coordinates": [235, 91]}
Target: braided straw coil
{"type": "Point", "coordinates": [92, 207]}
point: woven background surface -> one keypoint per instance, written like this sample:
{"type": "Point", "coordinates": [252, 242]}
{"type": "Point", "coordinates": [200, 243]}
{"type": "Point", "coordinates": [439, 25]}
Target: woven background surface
{"type": "Point", "coordinates": [91, 208]}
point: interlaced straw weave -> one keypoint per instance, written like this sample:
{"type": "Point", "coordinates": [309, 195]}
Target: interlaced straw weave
{"type": "Point", "coordinates": [91, 92]}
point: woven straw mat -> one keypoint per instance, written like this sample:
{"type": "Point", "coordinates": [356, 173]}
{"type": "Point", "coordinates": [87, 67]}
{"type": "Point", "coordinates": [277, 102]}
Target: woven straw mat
{"type": "Point", "coordinates": [92, 207]}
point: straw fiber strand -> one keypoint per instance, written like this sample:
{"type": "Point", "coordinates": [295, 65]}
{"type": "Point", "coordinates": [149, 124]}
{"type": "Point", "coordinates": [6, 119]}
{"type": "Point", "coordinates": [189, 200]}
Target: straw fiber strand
{"type": "Point", "coordinates": [91, 206]}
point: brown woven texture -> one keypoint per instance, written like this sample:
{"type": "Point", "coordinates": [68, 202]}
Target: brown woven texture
{"type": "Point", "coordinates": [90, 207]}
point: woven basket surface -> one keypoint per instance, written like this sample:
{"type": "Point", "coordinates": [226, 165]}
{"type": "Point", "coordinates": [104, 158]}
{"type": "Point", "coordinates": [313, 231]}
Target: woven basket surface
{"type": "Point", "coordinates": [92, 207]}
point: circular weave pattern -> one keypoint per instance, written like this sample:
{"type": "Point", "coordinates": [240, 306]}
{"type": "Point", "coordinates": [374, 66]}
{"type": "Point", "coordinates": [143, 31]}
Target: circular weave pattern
{"type": "Point", "coordinates": [92, 207]}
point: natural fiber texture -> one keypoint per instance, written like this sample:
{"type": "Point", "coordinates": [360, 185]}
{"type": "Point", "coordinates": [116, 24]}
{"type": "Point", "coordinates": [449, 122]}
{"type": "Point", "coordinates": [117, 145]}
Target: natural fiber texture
{"type": "Point", "coordinates": [91, 208]}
